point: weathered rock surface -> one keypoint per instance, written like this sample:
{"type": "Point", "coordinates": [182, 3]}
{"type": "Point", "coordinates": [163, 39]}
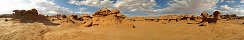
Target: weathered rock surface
{"type": "Point", "coordinates": [105, 16]}
{"type": "Point", "coordinates": [30, 16]}
{"type": "Point", "coordinates": [216, 16]}
{"type": "Point", "coordinates": [204, 17]}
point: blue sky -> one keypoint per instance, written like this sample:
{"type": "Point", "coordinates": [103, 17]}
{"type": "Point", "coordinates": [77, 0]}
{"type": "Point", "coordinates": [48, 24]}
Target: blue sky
{"type": "Point", "coordinates": [128, 7]}
{"type": "Point", "coordinates": [64, 3]}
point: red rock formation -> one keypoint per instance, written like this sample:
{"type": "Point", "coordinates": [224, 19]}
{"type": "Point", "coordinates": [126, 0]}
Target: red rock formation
{"type": "Point", "coordinates": [85, 17]}
{"type": "Point", "coordinates": [107, 16]}
{"type": "Point", "coordinates": [204, 17]}
{"type": "Point", "coordinates": [30, 16]}
{"type": "Point", "coordinates": [216, 16]}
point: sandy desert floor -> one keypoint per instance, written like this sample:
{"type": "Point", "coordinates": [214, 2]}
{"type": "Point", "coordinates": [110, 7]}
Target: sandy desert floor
{"type": "Point", "coordinates": [226, 30]}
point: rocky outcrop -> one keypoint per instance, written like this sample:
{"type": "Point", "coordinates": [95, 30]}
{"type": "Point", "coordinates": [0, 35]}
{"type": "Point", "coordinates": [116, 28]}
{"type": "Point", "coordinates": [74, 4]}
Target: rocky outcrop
{"type": "Point", "coordinates": [106, 16]}
{"type": "Point", "coordinates": [204, 17]}
{"type": "Point", "coordinates": [216, 16]}
{"type": "Point", "coordinates": [85, 17]}
{"type": "Point", "coordinates": [208, 19]}
{"type": "Point", "coordinates": [61, 17]}
{"type": "Point", "coordinates": [86, 20]}
{"type": "Point", "coordinates": [103, 16]}
{"type": "Point", "coordinates": [30, 16]}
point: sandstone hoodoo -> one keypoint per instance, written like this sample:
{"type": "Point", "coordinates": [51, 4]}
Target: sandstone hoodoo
{"type": "Point", "coordinates": [204, 17]}
{"type": "Point", "coordinates": [209, 19]}
{"type": "Point", "coordinates": [216, 16]}
{"type": "Point", "coordinates": [106, 16]}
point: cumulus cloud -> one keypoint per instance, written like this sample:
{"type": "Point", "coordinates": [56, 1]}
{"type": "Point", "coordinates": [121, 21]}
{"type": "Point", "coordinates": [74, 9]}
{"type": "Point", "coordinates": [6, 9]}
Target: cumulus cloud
{"type": "Point", "coordinates": [98, 3]}
{"type": "Point", "coordinates": [82, 10]}
{"type": "Point", "coordinates": [124, 5]}
{"type": "Point", "coordinates": [236, 8]}
{"type": "Point", "coordinates": [225, 7]}
{"type": "Point", "coordinates": [191, 6]}
{"type": "Point", "coordinates": [184, 6]}
{"type": "Point", "coordinates": [242, 1]}
{"type": "Point", "coordinates": [46, 7]}
{"type": "Point", "coordinates": [136, 5]}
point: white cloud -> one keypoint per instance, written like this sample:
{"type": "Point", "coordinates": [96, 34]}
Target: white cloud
{"type": "Point", "coordinates": [225, 7]}
{"type": "Point", "coordinates": [136, 5]}
{"type": "Point", "coordinates": [242, 1]}
{"type": "Point", "coordinates": [175, 6]}
{"type": "Point", "coordinates": [231, 1]}
{"type": "Point", "coordinates": [123, 5]}
{"type": "Point", "coordinates": [46, 7]}
{"type": "Point", "coordinates": [99, 3]}
{"type": "Point", "coordinates": [82, 10]}
{"type": "Point", "coordinates": [191, 6]}
{"type": "Point", "coordinates": [185, 6]}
